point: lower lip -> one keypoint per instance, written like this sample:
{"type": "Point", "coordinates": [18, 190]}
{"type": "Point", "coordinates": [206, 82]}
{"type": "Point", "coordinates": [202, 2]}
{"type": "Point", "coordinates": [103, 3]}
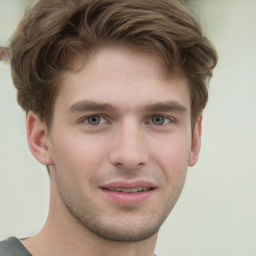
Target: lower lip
{"type": "Point", "coordinates": [128, 198]}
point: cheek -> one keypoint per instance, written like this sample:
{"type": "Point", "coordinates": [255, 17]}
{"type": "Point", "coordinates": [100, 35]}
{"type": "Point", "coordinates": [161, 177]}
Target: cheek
{"type": "Point", "coordinates": [173, 151]}
{"type": "Point", "coordinates": [172, 156]}
{"type": "Point", "coordinates": [78, 157]}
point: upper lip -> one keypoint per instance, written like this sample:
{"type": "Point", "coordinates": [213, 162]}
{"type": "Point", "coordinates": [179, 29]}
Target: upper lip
{"type": "Point", "coordinates": [127, 184]}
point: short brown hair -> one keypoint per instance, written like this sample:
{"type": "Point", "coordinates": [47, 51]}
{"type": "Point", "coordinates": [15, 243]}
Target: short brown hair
{"type": "Point", "coordinates": [53, 34]}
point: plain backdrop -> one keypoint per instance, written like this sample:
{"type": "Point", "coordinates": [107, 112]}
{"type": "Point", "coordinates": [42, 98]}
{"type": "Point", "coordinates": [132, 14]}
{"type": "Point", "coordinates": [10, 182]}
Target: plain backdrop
{"type": "Point", "coordinates": [216, 213]}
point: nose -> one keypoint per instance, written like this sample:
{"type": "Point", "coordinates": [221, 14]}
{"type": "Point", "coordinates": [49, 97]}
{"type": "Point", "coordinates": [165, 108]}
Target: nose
{"type": "Point", "coordinates": [129, 149]}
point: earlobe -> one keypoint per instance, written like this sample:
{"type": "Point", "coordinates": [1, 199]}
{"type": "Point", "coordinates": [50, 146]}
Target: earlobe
{"type": "Point", "coordinates": [37, 136]}
{"type": "Point", "coordinates": [196, 142]}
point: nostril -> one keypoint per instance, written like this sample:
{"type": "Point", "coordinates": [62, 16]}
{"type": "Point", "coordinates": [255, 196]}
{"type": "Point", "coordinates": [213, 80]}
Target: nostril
{"type": "Point", "coordinates": [129, 165]}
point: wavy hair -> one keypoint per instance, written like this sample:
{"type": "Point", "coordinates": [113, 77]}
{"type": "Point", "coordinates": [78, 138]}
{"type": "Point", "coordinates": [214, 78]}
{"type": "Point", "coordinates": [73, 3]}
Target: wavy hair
{"type": "Point", "coordinates": [53, 35]}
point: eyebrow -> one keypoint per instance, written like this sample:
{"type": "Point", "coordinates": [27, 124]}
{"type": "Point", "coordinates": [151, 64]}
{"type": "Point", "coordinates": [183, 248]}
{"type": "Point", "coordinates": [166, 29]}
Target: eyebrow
{"type": "Point", "coordinates": [88, 105]}
{"type": "Point", "coordinates": [165, 106]}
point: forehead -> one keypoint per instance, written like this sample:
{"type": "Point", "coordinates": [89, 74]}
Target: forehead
{"type": "Point", "coordinates": [125, 77]}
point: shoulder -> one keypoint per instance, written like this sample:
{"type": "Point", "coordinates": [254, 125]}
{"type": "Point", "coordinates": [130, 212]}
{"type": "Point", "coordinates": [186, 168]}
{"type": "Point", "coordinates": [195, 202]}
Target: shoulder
{"type": "Point", "coordinates": [13, 247]}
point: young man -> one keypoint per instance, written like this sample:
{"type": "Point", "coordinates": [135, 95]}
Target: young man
{"type": "Point", "coordinates": [114, 91]}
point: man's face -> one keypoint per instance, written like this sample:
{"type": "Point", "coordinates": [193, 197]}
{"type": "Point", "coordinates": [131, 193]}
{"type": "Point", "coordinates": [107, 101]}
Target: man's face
{"type": "Point", "coordinates": [120, 144]}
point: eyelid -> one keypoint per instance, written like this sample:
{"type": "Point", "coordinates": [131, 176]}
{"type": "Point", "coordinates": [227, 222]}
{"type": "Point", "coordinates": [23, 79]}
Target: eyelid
{"type": "Point", "coordinates": [170, 118]}
{"type": "Point", "coordinates": [84, 119]}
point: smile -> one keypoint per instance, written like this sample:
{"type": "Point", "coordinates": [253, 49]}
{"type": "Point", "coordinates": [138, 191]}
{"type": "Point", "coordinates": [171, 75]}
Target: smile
{"type": "Point", "coordinates": [129, 190]}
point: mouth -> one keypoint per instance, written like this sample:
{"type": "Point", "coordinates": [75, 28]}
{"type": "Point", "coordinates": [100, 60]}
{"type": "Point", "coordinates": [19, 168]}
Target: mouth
{"type": "Point", "coordinates": [129, 190]}
{"type": "Point", "coordinates": [129, 193]}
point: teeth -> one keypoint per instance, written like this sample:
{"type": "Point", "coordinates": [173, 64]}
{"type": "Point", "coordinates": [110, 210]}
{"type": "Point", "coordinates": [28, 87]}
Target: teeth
{"type": "Point", "coordinates": [129, 190]}
{"type": "Point", "coordinates": [126, 190]}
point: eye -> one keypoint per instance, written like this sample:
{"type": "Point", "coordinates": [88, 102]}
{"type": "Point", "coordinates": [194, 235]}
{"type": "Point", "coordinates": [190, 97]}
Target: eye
{"type": "Point", "coordinates": [95, 120]}
{"type": "Point", "coordinates": [160, 120]}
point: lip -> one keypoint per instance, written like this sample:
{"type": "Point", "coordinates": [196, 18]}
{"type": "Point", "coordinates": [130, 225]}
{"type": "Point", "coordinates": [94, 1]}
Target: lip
{"type": "Point", "coordinates": [128, 198]}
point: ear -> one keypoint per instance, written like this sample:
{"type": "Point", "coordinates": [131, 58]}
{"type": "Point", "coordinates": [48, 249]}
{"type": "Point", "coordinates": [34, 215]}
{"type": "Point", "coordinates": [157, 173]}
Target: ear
{"type": "Point", "coordinates": [196, 142]}
{"type": "Point", "coordinates": [37, 136]}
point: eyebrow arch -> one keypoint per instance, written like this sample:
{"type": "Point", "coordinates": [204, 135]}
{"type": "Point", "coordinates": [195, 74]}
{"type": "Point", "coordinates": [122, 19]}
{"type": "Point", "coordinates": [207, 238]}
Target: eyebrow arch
{"type": "Point", "coordinates": [166, 106]}
{"type": "Point", "coordinates": [88, 105]}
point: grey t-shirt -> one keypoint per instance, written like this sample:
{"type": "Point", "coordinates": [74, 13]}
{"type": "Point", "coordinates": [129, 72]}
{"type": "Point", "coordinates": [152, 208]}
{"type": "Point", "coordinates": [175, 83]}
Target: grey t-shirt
{"type": "Point", "coordinates": [13, 247]}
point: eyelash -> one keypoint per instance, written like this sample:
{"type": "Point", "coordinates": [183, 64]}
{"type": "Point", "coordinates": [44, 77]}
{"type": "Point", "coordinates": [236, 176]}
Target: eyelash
{"type": "Point", "coordinates": [86, 119]}
{"type": "Point", "coordinates": [166, 120]}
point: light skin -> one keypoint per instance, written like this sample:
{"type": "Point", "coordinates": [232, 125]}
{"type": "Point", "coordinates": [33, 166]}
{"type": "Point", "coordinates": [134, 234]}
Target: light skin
{"type": "Point", "coordinates": [119, 123]}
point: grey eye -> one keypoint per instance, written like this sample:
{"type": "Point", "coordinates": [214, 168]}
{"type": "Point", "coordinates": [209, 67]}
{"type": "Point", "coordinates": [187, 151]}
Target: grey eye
{"type": "Point", "coordinates": [94, 120]}
{"type": "Point", "coordinates": [159, 120]}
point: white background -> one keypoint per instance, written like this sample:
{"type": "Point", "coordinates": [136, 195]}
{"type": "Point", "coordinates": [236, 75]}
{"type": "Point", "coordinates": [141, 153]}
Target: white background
{"type": "Point", "coordinates": [216, 214]}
